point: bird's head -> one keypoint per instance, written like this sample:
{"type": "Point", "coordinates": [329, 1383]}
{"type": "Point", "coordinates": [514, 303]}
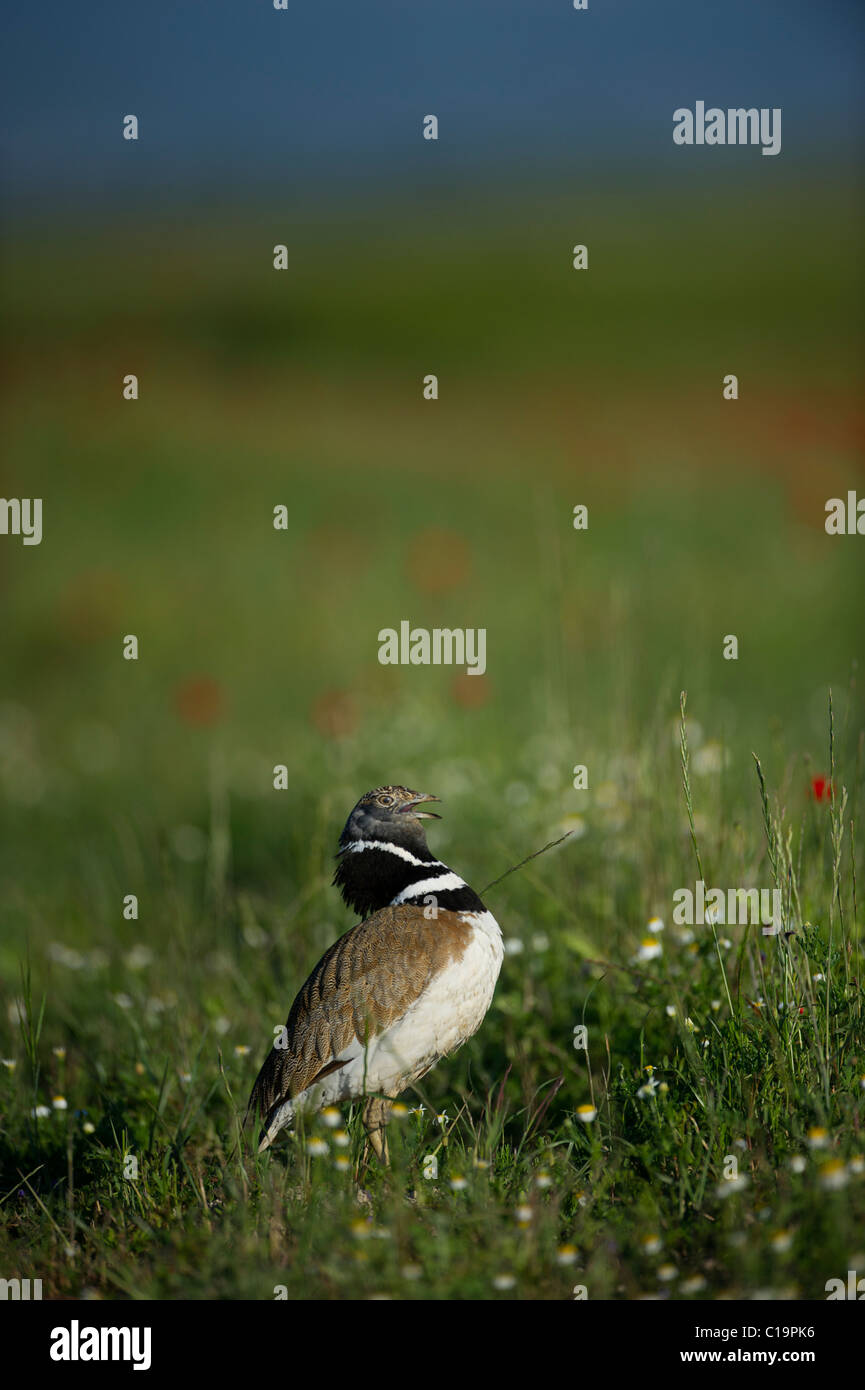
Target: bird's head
{"type": "Point", "coordinates": [389, 813]}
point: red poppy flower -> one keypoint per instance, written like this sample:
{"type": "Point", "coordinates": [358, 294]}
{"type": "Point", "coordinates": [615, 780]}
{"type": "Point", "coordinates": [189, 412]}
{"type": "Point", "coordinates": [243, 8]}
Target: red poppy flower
{"type": "Point", "coordinates": [199, 701]}
{"type": "Point", "coordinates": [821, 789]}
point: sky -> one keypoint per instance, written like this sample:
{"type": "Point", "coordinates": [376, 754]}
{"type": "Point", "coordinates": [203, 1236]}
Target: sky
{"type": "Point", "coordinates": [232, 93]}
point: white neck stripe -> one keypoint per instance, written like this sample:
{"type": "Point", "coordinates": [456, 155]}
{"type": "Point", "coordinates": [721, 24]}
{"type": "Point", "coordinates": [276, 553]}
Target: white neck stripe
{"type": "Point", "coordinates": [443, 884]}
{"type": "Point", "coordinates": [357, 846]}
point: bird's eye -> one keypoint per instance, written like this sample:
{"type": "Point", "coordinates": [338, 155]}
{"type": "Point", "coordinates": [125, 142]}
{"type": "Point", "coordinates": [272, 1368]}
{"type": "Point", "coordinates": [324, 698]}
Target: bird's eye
{"type": "Point", "coordinates": [385, 801]}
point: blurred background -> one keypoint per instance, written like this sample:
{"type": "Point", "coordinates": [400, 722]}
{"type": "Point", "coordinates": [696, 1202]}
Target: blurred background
{"type": "Point", "coordinates": [258, 388]}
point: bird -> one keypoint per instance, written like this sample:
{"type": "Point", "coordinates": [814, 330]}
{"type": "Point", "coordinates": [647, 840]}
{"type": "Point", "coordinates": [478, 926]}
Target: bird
{"type": "Point", "coordinates": [397, 992]}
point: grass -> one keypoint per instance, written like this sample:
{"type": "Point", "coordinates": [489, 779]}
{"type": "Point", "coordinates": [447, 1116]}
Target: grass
{"type": "Point", "coordinates": [724, 1052]}
{"type": "Point", "coordinates": [729, 1053]}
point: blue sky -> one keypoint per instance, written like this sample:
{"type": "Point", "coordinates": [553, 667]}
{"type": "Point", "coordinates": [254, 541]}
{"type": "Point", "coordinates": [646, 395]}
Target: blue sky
{"type": "Point", "coordinates": [231, 93]}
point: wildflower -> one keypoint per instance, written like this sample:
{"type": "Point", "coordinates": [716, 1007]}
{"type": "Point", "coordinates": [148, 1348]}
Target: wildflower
{"type": "Point", "coordinates": [318, 1148]}
{"type": "Point", "coordinates": [833, 1175]}
{"type": "Point", "coordinates": [138, 958]}
{"type": "Point", "coordinates": [10, 1064]}
{"type": "Point", "coordinates": [650, 949]}
{"type": "Point", "coordinates": [139, 1069]}
{"type": "Point", "coordinates": [712, 757]}
{"type": "Point", "coordinates": [504, 1281]}
{"type": "Point", "coordinates": [690, 1025]}
{"type": "Point", "coordinates": [442, 1119]}
{"type": "Point", "coordinates": [399, 1111]}
{"type": "Point", "coordinates": [731, 1185]}
{"type": "Point", "coordinates": [856, 1165]}
{"type": "Point", "coordinates": [513, 946]}
{"type": "Point", "coordinates": [59, 1053]}
{"type": "Point", "coordinates": [540, 941]}
{"type": "Point", "coordinates": [411, 1272]}
{"type": "Point", "coordinates": [663, 1088]}
{"type": "Point", "coordinates": [458, 1183]}
{"type": "Point", "coordinates": [798, 1163]}
{"type": "Point", "coordinates": [481, 1163]}
{"type": "Point", "coordinates": [240, 1049]}
{"type": "Point", "coordinates": [41, 1112]}
{"type": "Point", "coordinates": [341, 1163]}
{"type": "Point", "coordinates": [341, 1139]}
{"type": "Point", "coordinates": [543, 1180]}
{"type": "Point", "coordinates": [523, 1215]}
{"type": "Point", "coordinates": [122, 1001]}
{"type": "Point", "coordinates": [221, 1026]}
{"type": "Point", "coordinates": [670, 1011]}
{"type": "Point", "coordinates": [361, 1230]}
{"type": "Point", "coordinates": [331, 1117]}
{"type": "Point", "coordinates": [667, 1273]}
{"type": "Point", "coordinates": [73, 960]}
{"type": "Point", "coordinates": [649, 1088]}
{"type": "Point", "coordinates": [418, 1110]}
{"type": "Point", "coordinates": [716, 1004]}
{"type": "Point", "coordinates": [685, 936]}
{"type": "Point", "coordinates": [654, 926]}
{"type": "Point", "coordinates": [695, 1284]}
{"type": "Point", "coordinates": [566, 1255]}
{"type": "Point", "coordinates": [586, 1113]}
{"type": "Point", "coordinates": [651, 1244]}
{"type": "Point", "coordinates": [821, 789]}
{"type": "Point", "coordinates": [573, 825]}
{"type": "Point", "coordinates": [59, 1102]}
{"type": "Point", "coordinates": [88, 1127]}
{"type": "Point", "coordinates": [781, 1241]}
{"type": "Point", "coordinates": [817, 1138]}
{"type": "Point", "coordinates": [185, 1077]}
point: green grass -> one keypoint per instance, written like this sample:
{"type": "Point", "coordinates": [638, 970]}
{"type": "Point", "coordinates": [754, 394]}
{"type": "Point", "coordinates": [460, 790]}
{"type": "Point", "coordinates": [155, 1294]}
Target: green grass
{"type": "Point", "coordinates": [754, 1042]}
{"type": "Point", "coordinates": [129, 778]}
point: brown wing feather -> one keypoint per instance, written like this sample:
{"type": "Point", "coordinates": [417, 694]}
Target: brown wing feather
{"type": "Point", "coordinates": [365, 982]}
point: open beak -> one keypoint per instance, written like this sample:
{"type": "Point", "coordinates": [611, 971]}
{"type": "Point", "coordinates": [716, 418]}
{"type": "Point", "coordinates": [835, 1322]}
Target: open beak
{"type": "Point", "coordinates": [417, 798]}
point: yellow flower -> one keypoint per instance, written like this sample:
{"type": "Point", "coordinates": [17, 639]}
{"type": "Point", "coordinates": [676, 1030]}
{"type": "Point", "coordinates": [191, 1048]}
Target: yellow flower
{"type": "Point", "coordinates": [833, 1175]}
{"type": "Point", "coordinates": [586, 1113]}
{"type": "Point", "coordinates": [650, 949]}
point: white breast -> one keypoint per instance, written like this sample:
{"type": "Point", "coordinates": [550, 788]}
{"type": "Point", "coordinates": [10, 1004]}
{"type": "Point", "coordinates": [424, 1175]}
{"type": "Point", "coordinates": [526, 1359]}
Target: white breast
{"type": "Point", "coordinates": [448, 1012]}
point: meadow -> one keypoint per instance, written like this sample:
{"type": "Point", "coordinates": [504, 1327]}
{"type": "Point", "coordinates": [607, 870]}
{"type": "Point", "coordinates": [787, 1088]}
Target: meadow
{"type": "Point", "coordinates": [707, 1140]}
